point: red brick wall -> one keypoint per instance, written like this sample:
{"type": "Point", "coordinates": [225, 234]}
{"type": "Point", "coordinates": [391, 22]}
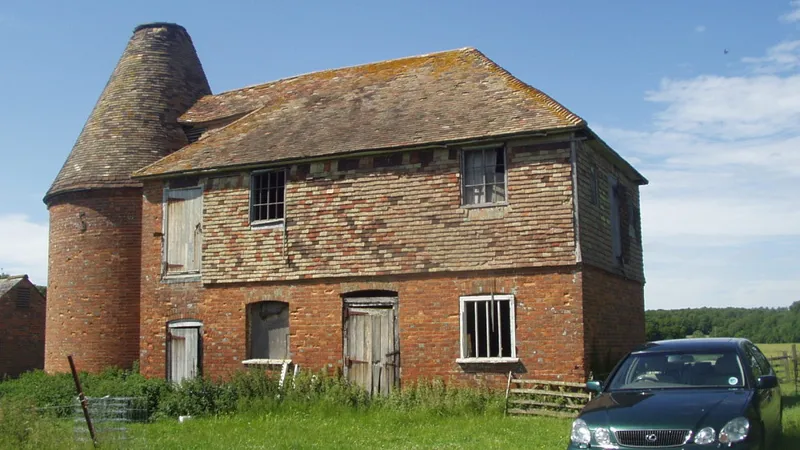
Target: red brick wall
{"type": "Point", "coordinates": [613, 317]}
{"type": "Point", "coordinates": [93, 279]}
{"type": "Point", "coordinates": [22, 336]}
{"type": "Point", "coordinates": [388, 216]}
{"type": "Point", "coordinates": [549, 321]}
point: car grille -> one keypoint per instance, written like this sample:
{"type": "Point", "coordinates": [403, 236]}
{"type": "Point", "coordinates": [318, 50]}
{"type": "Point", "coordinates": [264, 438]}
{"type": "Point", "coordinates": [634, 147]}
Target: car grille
{"type": "Point", "coordinates": [653, 438]}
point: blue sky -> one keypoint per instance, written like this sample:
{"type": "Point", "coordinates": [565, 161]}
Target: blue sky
{"type": "Point", "coordinates": [716, 133]}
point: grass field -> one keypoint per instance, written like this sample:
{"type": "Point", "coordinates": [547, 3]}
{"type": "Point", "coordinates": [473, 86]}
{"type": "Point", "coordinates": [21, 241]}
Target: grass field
{"type": "Point", "coordinates": [345, 428]}
{"type": "Point", "coordinates": [771, 350]}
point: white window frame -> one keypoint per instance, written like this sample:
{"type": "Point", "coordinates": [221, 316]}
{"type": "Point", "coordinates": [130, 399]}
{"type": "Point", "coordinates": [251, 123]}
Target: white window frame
{"type": "Point", "coordinates": [165, 273]}
{"type": "Point", "coordinates": [464, 152]}
{"type": "Point", "coordinates": [464, 301]}
{"type": "Point", "coordinates": [265, 223]}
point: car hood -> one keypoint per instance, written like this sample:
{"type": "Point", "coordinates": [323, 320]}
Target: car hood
{"type": "Point", "coordinates": [667, 408]}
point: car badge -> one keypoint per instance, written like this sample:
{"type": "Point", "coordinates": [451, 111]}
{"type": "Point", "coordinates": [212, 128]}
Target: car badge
{"type": "Point", "coordinates": [651, 437]}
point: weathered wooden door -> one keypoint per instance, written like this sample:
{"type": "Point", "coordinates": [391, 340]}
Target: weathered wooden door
{"type": "Point", "coordinates": [371, 351]}
{"type": "Point", "coordinates": [184, 351]}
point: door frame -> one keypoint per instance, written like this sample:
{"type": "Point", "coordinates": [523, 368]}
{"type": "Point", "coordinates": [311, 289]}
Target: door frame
{"type": "Point", "coordinates": [352, 300]}
{"type": "Point", "coordinates": [183, 323]}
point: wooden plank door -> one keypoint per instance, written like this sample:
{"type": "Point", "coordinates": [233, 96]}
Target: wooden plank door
{"type": "Point", "coordinates": [184, 353]}
{"type": "Point", "coordinates": [371, 348]}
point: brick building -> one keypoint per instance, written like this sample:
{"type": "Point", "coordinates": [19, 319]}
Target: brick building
{"type": "Point", "coordinates": [426, 216]}
{"type": "Point", "coordinates": [22, 315]}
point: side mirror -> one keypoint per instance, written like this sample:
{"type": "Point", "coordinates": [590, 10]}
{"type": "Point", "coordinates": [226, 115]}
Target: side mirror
{"type": "Point", "coordinates": [595, 386]}
{"type": "Point", "coordinates": [767, 382]}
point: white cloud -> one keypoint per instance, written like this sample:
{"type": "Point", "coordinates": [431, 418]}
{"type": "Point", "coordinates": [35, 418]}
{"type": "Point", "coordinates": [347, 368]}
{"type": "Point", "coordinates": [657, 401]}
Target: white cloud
{"type": "Point", "coordinates": [23, 247]}
{"type": "Point", "coordinates": [722, 159]}
{"type": "Point", "coordinates": [700, 28]}
{"type": "Point", "coordinates": [728, 108]}
{"type": "Point", "coordinates": [780, 58]}
{"type": "Point", "coordinates": [794, 14]}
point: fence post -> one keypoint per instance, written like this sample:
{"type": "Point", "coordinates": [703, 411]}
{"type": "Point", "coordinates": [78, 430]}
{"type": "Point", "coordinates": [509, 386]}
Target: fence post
{"type": "Point", "coordinates": [84, 403]}
{"type": "Point", "coordinates": [794, 363]}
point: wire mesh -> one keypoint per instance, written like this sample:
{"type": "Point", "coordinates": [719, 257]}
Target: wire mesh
{"type": "Point", "coordinates": [110, 417]}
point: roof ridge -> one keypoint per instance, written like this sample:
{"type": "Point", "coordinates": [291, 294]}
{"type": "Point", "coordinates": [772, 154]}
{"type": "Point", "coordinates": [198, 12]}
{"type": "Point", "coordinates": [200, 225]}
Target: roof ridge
{"type": "Point", "coordinates": [538, 95]}
{"type": "Point", "coordinates": [354, 66]}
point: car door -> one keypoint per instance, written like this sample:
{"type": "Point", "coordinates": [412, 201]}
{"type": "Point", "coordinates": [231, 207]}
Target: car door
{"type": "Point", "coordinates": [769, 400]}
{"type": "Point", "coordinates": [776, 403]}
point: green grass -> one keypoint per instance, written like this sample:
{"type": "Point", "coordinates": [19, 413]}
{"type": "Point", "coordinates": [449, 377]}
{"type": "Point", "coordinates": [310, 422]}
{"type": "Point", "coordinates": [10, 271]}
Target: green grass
{"type": "Point", "coordinates": [771, 350]}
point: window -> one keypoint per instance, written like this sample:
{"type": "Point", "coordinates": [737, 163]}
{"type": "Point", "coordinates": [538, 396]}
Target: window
{"type": "Point", "coordinates": [268, 333]}
{"type": "Point", "coordinates": [183, 241]}
{"type": "Point", "coordinates": [487, 328]}
{"type": "Point", "coordinates": [616, 219]}
{"type": "Point", "coordinates": [267, 196]}
{"type": "Point", "coordinates": [23, 297]}
{"type": "Point", "coordinates": [484, 176]}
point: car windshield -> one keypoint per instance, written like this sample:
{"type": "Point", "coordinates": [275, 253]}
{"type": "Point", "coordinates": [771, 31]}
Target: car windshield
{"type": "Point", "coordinates": [679, 370]}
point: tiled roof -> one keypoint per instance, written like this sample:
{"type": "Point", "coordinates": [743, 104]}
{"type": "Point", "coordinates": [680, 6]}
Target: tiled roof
{"type": "Point", "coordinates": [6, 284]}
{"type": "Point", "coordinates": [442, 97]}
{"type": "Point", "coordinates": [134, 123]}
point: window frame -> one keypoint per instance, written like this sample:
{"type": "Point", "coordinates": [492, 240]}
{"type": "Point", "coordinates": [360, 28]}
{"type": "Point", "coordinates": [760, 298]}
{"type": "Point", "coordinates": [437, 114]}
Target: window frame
{"type": "Point", "coordinates": [249, 347]}
{"type": "Point", "coordinates": [188, 274]}
{"type": "Point", "coordinates": [266, 223]}
{"type": "Point", "coordinates": [463, 301]}
{"type": "Point", "coordinates": [483, 148]}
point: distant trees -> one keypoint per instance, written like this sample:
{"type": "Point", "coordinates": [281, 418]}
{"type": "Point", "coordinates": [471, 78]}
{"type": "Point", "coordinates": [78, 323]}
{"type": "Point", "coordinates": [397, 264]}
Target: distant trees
{"type": "Point", "coordinates": [762, 325]}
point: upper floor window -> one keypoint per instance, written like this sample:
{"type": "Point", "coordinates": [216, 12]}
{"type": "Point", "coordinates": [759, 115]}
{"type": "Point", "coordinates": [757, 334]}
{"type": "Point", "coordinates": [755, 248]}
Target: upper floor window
{"type": "Point", "coordinates": [484, 176]}
{"type": "Point", "coordinates": [183, 216]}
{"type": "Point", "coordinates": [23, 297]}
{"type": "Point", "coordinates": [267, 191]}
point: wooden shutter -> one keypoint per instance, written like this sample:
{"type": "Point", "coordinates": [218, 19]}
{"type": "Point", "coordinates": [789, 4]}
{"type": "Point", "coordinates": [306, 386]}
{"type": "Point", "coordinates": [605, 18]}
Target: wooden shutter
{"type": "Point", "coordinates": [184, 230]}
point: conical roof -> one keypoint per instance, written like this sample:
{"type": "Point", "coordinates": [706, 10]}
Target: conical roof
{"type": "Point", "coordinates": [134, 123]}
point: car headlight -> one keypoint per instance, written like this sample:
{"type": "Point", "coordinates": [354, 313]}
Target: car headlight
{"type": "Point", "coordinates": [734, 431]}
{"type": "Point", "coordinates": [580, 432]}
{"type": "Point", "coordinates": [602, 437]}
{"type": "Point", "coordinates": [705, 436]}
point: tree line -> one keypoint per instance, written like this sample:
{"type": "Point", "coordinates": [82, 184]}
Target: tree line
{"type": "Point", "coordinates": [761, 325]}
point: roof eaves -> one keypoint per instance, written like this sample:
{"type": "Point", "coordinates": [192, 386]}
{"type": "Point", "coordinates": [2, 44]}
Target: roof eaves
{"type": "Point", "coordinates": [142, 175]}
{"type": "Point", "coordinates": [616, 157]}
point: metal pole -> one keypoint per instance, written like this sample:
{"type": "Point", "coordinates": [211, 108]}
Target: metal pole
{"type": "Point", "coordinates": [84, 403]}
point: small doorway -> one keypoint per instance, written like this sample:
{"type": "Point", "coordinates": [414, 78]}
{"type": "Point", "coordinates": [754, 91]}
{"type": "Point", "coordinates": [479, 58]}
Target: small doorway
{"type": "Point", "coordinates": [371, 342]}
{"type": "Point", "coordinates": [183, 350]}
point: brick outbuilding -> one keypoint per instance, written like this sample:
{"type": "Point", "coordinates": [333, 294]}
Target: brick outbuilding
{"type": "Point", "coordinates": [22, 316]}
{"type": "Point", "coordinates": [431, 216]}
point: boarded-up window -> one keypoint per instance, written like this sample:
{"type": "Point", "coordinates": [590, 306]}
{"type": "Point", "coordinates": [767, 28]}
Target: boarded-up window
{"type": "Point", "coordinates": [616, 220]}
{"type": "Point", "coordinates": [268, 330]}
{"type": "Point", "coordinates": [23, 297]}
{"type": "Point", "coordinates": [184, 218]}
{"type": "Point", "coordinates": [484, 176]}
{"type": "Point", "coordinates": [487, 327]}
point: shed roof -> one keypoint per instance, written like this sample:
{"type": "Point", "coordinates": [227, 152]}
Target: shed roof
{"type": "Point", "coordinates": [7, 284]}
{"type": "Point", "coordinates": [450, 96]}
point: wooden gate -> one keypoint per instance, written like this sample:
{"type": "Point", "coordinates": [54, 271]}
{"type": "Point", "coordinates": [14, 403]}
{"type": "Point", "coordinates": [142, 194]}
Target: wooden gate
{"type": "Point", "coordinates": [371, 351]}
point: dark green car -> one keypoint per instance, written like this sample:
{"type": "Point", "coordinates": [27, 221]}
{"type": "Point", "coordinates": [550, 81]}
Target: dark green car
{"type": "Point", "coordinates": [686, 394]}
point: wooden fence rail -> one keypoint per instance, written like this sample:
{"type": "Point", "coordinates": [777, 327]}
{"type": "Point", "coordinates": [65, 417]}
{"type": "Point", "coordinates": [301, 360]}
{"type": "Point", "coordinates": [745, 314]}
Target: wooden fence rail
{"type": "Point", "coordinates": [545, 398]}
{"type": "Point", "coordinates": [786, 367]}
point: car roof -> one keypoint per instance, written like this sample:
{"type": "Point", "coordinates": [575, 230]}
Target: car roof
{"type": "Point", "coordinates": [692, 345]}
